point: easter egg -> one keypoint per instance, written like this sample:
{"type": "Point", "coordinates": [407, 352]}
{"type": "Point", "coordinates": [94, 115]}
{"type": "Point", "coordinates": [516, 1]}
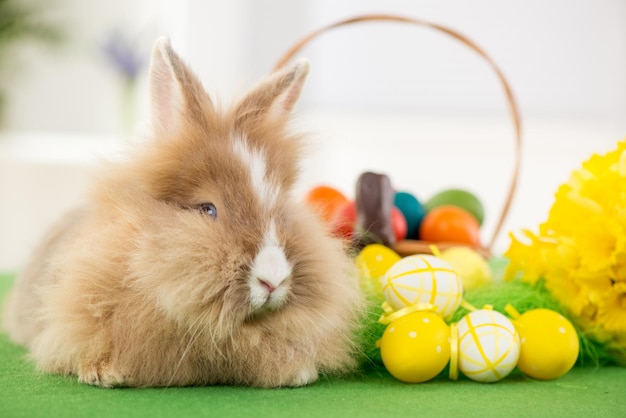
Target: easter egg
{"type": "Point", "coordinates": [460, 198]}
{"type": "Point", "coordinates": [325, 200]}
{"type": "Point", "coordinates": [549, 344]}
{"type": "Point", "coordinates": [412, 210]}
{"type": "Point", "coordinates": [423, 279]}
{"type": "Point", "coordinates": [373, 262]}
{"type": "Point", "coordinates": [471, 266]}
{"type": "Point", "coordinates": [343, 220]}
{"type": "Point", "coordinates": [398, 224]}
{"type": "Point", "coordinates": [375, 259]}
{"type": "Point", "coordinates": [450, 224]}
{"type": "Point", "coordinates": [488, 345]}
{"type": "Point", "coordinates": [416, 347]}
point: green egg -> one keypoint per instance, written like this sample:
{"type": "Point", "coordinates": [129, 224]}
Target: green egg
{"type": "Point", "coordinates": [460, 198]}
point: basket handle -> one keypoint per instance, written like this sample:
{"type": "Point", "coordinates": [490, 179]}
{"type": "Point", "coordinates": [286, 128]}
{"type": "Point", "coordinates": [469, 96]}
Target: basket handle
{"type": "Point", "coordinates": [416, 246]}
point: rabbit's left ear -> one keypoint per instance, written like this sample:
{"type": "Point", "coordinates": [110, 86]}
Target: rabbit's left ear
{"type": "Point", "coordinates": [277, 94]}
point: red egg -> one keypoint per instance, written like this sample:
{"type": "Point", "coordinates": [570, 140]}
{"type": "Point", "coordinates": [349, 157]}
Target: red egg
{"type": "Point", "coordinates": [450, 224]}
{"type": "Point", "coordinates": [343, 220]}
{"type": "Point", "coordinates": [398, 223]}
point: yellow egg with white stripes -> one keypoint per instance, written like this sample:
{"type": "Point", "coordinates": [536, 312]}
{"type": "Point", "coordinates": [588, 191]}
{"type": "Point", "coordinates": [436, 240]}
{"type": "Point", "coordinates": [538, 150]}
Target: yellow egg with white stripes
{"type": "Point", "coordinates": [423, 279]}
{"type": "Point", "coordinates": [489, 345]}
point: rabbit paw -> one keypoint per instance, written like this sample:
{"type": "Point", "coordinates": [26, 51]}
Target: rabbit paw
{"type": "Point", "coordinates": [304, 377]}
{"type": "Point", "coordinates": [101, 373]}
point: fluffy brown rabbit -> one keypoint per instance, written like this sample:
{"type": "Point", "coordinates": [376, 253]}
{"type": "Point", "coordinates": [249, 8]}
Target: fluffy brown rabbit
{"type": "Point", "coordinates": [192, 262]}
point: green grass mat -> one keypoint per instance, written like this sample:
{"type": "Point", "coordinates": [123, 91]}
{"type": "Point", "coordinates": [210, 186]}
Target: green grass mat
{"type": "Point", "coordinates": [583, 392]}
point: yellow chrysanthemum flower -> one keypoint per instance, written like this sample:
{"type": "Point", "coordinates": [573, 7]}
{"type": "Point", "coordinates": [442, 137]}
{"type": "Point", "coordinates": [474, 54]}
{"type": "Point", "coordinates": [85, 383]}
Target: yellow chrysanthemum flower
{"type": "Point", "coordinates": [580, 250]}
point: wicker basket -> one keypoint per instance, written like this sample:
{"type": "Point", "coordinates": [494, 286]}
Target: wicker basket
{"type": "Point", "coordinates": [408, 247]}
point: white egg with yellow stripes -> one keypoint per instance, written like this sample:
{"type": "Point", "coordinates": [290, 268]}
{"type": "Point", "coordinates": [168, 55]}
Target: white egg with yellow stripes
{"type": "Point", "coordinates": [423, 279]}
{"type": "Point", "coordinates": [488, 345]}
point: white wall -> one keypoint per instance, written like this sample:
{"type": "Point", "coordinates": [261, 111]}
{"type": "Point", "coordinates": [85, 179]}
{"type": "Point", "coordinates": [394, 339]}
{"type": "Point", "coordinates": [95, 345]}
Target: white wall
{"type": "Point", "coordinates": [563, 57]}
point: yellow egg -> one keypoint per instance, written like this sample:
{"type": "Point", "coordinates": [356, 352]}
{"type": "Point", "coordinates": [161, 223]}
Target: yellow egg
{"type": "Point", "coordinates": [488, 345]}
{"type": "Point", "coordinates": [471, 266]}
{"type": "Point", "coordinates": [549, 344]}
{"type": "Point", "coordinates": [424, 279]}
{"type": "Point", "coordinates": [373, 262]}
{"type": "Point", "coordinates": [416, 347]}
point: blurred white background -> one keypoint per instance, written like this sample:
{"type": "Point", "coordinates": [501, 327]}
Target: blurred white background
{"type": "Point", "coordinates": [392, 98]}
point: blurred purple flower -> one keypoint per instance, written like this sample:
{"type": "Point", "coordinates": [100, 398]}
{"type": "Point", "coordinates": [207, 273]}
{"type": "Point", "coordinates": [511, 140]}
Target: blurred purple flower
{"type": "Point", "coordinates": [125, 54]}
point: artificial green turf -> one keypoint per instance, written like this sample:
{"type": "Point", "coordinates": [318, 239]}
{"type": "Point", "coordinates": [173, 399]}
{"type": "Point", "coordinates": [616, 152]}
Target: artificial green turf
{"type": "Point", "coordinates": [584, 391]}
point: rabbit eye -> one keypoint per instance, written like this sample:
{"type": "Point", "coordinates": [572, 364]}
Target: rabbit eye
{"type": "Point", "coordinates": [209, 209]}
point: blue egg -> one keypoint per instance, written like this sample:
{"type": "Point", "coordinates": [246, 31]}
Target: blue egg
{"type": "Point", "coordinates": [412, 210]}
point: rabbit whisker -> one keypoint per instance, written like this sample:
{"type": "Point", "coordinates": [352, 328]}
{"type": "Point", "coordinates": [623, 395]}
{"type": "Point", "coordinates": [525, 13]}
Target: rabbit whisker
{"type": "Point", "coordinates": [196, 329]}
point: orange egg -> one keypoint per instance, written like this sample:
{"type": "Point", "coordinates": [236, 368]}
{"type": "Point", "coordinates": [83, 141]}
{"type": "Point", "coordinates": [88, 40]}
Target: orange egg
{"type": "Point", "coordinates": [325, 200]}
{"type": "Point", "coordinates": [450, 224]}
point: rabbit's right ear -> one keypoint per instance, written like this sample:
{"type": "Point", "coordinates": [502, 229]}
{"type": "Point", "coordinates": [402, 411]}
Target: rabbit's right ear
{"type": "Point", "coordinates": [177, 95]}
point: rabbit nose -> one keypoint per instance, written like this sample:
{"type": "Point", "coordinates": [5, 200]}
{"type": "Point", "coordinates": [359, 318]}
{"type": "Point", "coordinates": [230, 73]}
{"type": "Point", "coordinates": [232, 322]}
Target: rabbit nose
{"type": "Point", "coordinates": [270, 271]}
{"type": "Point", "coordinates": [267, 285]}
{"type": "Point", "coordinates": [271, 267]}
